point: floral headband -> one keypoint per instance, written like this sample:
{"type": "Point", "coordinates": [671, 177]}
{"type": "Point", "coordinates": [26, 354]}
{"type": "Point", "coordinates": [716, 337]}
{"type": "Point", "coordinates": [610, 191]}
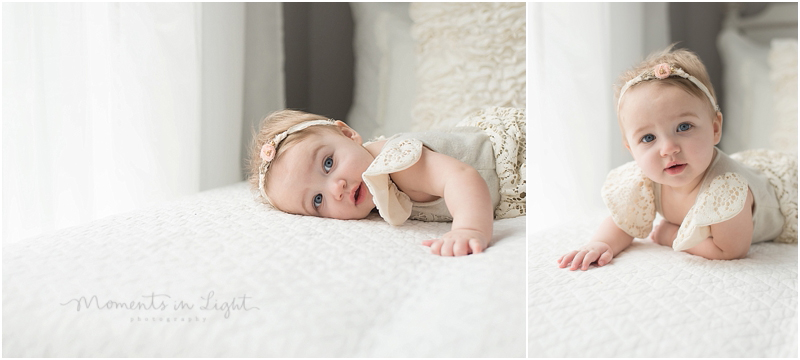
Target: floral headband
{"type": "Point", "coordinates": [663, 71]}
{"type": "Point", "coordinates": [270, 149]}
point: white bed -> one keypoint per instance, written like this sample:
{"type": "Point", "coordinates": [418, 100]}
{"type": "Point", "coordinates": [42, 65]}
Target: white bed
{"type": "Point", "coordinates": [651, 301]}
{"type": "Point", "coordinates": [322, 287]}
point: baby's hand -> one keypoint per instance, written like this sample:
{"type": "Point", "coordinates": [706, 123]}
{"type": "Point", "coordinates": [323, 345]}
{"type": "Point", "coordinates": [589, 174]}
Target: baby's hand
{"type": "Point", "coordinates": [458, 242]}
{"type": "Point", "coordinates": [664, 233]}
{"type": "Point", "coordinates": [593, 251]}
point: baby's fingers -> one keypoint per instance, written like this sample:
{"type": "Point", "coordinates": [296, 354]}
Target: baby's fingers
{"type": "Point", "coordinates": [436, 246]}
{"type": "Point", "coordinates": [578, 260]}
{"type": "Point", "coordinates": [428, 242]}
{"type": "Point", "coordinates": [605, 258]}
{"type": "Point", "coordinates": [460, 248]}
{"type": "Point", "coordinates": [447, 248]}
{"type": "Point", "coordinates": [566, 259]}
{"type": "Point", "coordinates": [652, 237]}
{"type": "Point", "coordinates": [475, 246]}
{"type": "Point", "coordinates": [590, 257]}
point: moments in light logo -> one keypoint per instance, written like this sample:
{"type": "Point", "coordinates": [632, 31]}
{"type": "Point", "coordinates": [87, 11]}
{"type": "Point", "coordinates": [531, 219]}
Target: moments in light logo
{"type": "Point", "coordinates": [164, 302]}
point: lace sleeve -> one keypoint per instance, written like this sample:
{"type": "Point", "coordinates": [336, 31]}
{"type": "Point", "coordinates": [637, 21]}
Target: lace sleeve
{"type": "Point", "coordinates": [393, 205]}
{"type": "Point", "coordinates": [722, 200]}
{"type": "Point", "coordinates": [628, 194]}
{"type": "Point", "coordinates": [781, 170]}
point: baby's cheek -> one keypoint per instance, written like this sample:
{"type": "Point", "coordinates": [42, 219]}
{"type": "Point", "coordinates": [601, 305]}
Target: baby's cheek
{"type": "Point", "coordinates": [650, 168]}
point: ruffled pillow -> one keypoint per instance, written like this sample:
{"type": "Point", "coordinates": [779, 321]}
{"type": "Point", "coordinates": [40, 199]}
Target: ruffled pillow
{"type": "Point", "coordinates": [469, 56]}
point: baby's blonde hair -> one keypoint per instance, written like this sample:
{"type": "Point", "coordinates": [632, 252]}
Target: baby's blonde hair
{"type": "Point", "coordinates": [272, 125]}
{"type": "Point", "coordinates": [682, 58]}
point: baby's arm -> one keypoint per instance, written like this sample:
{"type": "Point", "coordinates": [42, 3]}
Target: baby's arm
{"type": "Point", "coordinates": [465, 194]}
{"type": "Point", "coordinates": [729, 239]}
{"type": "Point", "coordinates": [607, 241]}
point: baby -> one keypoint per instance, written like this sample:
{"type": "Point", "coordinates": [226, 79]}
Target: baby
{"type": "Point", "coordinates": [306, 164]}
{"type": "Point", "coordinates": [713, 205]}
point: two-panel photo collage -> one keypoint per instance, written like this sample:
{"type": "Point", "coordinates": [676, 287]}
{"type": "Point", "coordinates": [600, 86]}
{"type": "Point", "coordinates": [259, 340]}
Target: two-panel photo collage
{"type": "Point", "coordinates": [351, 180]}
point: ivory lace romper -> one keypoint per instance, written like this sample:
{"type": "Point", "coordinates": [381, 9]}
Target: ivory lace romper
{"type": "Point", "coordinates": [492, 142]}
{"type": "Point", "coordinates": [634, 199]}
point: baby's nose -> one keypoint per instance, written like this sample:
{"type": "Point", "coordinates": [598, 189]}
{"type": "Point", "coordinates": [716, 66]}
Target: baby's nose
{"type": "Point", "coordinates": [338, 189]}
{"type": "Point", "coordinates": [669, 146]}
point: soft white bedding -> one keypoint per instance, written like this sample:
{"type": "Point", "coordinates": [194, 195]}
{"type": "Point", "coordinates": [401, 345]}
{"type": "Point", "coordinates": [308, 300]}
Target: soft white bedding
{"type": "Point", "coordinates": [652, 301]}
{"type": "Point", "coordinates": [322, 287]}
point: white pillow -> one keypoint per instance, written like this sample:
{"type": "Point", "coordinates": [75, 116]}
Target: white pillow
{"type": "Point", "coordinates": [384, 69]}
{"type": "Point", "coordinates": [783, 74]}
{"type": "Point", "coordinates": [469, 56]}
{"type": "Point", "coordinates": [748, 108]}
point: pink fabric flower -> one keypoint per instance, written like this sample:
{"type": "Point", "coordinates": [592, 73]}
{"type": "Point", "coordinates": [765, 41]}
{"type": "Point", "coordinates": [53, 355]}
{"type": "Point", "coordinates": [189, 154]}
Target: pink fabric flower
{"type": "Point", "coordinates": [267, 152]}
{"type": "Point", "coordinates": [662, 71]}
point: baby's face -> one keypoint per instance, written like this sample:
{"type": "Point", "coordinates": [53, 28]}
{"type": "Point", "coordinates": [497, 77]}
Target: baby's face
{"type": "Point", "coordinates": [670, 133]}
{"type": "Point", "coordinates": [321, 176]}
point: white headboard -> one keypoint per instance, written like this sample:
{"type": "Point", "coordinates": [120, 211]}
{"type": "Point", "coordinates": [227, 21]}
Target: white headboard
{"type": "Point", "coordinates": [777, 20]}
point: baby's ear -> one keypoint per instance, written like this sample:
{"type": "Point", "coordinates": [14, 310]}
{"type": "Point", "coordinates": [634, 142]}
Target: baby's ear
{"type": "Point", "coordinates": [717, 126]}
{"type": "Point", "coordinates": [348, 131]}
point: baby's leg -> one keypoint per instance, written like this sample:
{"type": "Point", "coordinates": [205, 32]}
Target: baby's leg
{"type": "Point", "coordinates": [664, 233]}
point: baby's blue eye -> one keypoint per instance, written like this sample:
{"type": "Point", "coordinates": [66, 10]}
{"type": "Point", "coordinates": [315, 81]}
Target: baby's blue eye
{"type": "Point", "coordinates": [684, 126]}
{"type": "Point", "coordinates": [648, 138]}
{"type": "Point", "coordinates": [317, 200]}
{"type": "Point", "coordinates": [327, 164]}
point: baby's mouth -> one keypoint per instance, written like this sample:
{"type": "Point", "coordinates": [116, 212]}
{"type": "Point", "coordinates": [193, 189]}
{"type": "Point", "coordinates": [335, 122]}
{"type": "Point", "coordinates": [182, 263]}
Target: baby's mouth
{"type": "Point", "coordinates": [357, 194]}
{"type": "Point", "coordinates": [675, 169]}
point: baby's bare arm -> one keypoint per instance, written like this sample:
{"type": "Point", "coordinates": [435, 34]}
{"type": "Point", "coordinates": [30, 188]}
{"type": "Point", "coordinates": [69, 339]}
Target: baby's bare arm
{"type": "Point", "coordinates": [606, 242]}
{"type": "Point", "coordinates": [729, 239]}
{"type": "Point", "coordinates": [465, 194]}
{"type": "Point", "coordinates": [611, 234]}
{"type": "Point", "coordinates": [468, 200]}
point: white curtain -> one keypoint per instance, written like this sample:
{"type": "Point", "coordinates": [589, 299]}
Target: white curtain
{"type": "Point", "coordinates": [110, 107]}
{"type": "Point", "coordinates": [575, 53]}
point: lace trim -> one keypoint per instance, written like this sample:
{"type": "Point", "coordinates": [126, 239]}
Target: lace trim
{"type": "Point", "coordinates": [393, 205]}
{"type": "Point", "coordinates": [724, 198]}
{"type": "Point", "coordinates": [506, 130]}
{"type": "Point", "coordinates": [428, 216]}
{"type": "Point", "coordinates": [628, 194]}
{"type": "Point", "coordinates": [781, 170]}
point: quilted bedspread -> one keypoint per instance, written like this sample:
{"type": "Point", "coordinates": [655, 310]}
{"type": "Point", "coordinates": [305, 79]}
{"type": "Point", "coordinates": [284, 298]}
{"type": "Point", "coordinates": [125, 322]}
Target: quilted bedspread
{"type": "Point", "coordinates": [652, 301]}
{"type": "Point", "coordinates": [217, 274]}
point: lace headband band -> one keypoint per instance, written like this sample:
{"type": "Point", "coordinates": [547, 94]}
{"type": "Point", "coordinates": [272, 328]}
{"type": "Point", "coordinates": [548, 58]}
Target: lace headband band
{"type": "Point", "coordinates": [270, 149]}
{"type": "Point", "coordinates": [663, 71]}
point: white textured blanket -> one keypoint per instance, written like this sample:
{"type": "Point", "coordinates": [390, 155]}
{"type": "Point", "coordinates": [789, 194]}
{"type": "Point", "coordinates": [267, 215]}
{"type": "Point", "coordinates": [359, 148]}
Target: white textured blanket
{"type": "Point", "coordinates": [283, 285]}
{"type": "Point", "coordinates": [652, 301]}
